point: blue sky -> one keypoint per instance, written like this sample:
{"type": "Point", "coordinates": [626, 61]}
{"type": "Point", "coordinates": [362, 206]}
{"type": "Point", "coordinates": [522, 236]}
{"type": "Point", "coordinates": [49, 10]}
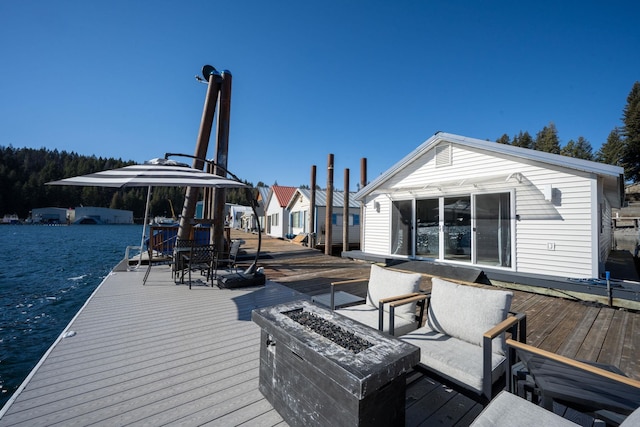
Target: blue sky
{"type": "Point", "coordinates": [353, 78]}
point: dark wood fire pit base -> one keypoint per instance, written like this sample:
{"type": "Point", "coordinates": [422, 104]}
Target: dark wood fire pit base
{"type": "Point", "coordinates": [312, 379]}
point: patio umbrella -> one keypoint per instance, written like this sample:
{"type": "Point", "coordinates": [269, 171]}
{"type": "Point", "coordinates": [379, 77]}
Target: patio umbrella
{"type": "Point", "coordinates": [153, 173]}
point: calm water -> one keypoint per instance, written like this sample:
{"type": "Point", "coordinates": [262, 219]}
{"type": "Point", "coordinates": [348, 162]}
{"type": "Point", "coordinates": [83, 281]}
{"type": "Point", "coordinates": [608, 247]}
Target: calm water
{"type": "Point", "coordinates": [46, 275]}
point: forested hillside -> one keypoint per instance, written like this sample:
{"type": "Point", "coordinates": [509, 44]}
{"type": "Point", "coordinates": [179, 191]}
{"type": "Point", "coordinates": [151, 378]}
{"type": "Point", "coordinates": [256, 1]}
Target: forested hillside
{"type": "Point", "coordinates": [24, 172]}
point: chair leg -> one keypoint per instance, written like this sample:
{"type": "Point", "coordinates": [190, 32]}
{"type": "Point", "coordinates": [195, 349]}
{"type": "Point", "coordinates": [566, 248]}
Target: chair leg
{"type": "Point", "coordinates": [146, 274]}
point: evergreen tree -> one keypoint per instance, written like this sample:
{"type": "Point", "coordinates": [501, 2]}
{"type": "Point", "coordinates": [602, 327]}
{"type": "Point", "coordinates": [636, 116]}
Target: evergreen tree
{"type": "Point", "coordinates": [580, 149]}
{"type": "Point", "coordinates": [631, 134]}
{"type": "Point", "coordinates": [612, 151]}
{"type": "Point", "coordinates": [547, 139]}
{"type": "Point", "coordinates": [504, 139]}
{"type": "Point", "coordinates": [523, 140]}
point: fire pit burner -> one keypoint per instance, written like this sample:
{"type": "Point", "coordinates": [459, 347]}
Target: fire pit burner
{"type": "Point", "coordinates": [329, 330]}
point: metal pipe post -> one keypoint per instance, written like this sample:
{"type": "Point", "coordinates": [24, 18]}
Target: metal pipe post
{"type": "Point", "coordinates": [328, 232]}
{"type": "Point", "coordinates": [222, 151]}
{"type": "Point", "coordinates": [191, 193]}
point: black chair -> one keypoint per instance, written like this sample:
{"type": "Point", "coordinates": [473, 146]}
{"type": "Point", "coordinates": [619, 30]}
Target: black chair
{"type": "Point", "coordinates": [182, 247]}
{"type": "Point", "coordinates": [199, 258]}
{"type": "Point", "coordinates": [228, 259]}
{"type": "Point", "coordinates": [159, 250]}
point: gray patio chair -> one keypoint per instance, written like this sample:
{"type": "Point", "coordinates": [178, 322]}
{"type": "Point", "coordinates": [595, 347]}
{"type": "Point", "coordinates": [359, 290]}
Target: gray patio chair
{"type": "Point", "coordinates": [601, 391]}
{"type": "Point", "coordinates": [463, 339]}
{"type": "Point", "coordinates": [508, 410]}
{"type": "Point", "coordinates": [383, 287]}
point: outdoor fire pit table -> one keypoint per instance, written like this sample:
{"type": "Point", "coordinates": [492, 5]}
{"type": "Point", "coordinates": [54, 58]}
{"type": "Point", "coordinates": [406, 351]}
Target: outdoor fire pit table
{"type": "Point", "coordinates": [320, 368]}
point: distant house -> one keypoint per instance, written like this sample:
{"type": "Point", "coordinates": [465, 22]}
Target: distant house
{"type": "Point", "coordinates": [300, 205]}
{"type": "Point", "coordinates": [469, 202]}
{"type": "Point", "coordinates": [277, 215]}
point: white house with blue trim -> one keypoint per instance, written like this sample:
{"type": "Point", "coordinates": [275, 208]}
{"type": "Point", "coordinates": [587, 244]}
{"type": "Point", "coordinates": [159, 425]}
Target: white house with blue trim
{"type": "Point", "coordinates": [470, 202]}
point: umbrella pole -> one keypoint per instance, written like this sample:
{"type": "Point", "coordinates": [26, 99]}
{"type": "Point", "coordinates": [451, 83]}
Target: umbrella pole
{"type": "Point", "coordinates": [144, 225]}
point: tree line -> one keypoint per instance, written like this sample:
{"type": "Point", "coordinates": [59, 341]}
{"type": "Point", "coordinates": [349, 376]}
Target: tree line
{"type": "Point", "coordinates": [622, 147]}
{"type": "Point", "coordinates": [24, 172]}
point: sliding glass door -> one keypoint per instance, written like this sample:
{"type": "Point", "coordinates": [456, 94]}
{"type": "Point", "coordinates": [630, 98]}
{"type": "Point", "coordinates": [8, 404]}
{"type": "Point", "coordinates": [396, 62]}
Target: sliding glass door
{"type": "Point", "coordinates": [493, 229]}
{"type": "Point", "coordinates": [457, 228]}
{"type": "Point", "coordinates": [469, 228]}
{"type": "Point", "coordinates": [428, 228]}
{"type": "Point", "coordinates": [401, 227]}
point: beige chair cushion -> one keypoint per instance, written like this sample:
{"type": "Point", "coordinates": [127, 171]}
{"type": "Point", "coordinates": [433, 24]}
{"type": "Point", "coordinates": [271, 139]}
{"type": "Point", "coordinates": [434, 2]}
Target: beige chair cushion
{"type": "Point", "coordinates": [385, 283]}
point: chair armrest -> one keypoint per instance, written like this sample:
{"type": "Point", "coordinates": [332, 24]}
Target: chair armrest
{"type": "Point", "coordinates": [346, 282]}
{"type": "Point", "coordinates": [342, 282]}
{"type": "Point", "coordinates": [510, 323]}
{"type": "Point", "coordinates": [574, 363]}
{"type": "Point", "coordinates": [396, 302]}
{"type": "Point", "coordinates": [400, 298]}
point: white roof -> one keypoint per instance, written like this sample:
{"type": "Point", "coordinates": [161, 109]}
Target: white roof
{"type": "Point", "coordinates": [602, 169]}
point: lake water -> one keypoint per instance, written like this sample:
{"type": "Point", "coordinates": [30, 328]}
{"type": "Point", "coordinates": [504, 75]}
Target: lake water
{"type": "Point", "coordinates": [46, 275]}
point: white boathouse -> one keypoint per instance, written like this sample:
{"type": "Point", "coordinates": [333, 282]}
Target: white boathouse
{"type": "Point", "coordinates": [300, 206]}
{"type": "Point", "coordinates": [469, 202]}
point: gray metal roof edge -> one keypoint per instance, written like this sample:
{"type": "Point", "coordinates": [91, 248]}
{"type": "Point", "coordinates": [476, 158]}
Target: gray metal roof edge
{"type": "Point", "coordinates": [322, 194]}
{"type": "Point", "coordinates": [540, 156]}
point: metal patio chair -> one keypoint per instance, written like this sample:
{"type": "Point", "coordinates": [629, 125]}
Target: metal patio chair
{"type": "Point", "coordinates": [199, 258]}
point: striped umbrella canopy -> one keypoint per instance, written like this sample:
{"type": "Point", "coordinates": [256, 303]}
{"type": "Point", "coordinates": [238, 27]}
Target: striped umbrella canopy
{"type": "Point", "coordinates": [153, 173]}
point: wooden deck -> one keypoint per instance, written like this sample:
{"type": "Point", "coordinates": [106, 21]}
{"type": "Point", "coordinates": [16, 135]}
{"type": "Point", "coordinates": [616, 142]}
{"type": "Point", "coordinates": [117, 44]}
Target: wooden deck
{"type": "Point", "coordinates": [163, 355]}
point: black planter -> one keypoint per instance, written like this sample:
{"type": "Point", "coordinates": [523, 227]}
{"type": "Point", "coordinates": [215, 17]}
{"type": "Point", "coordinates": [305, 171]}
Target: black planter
{"type": "Point", "coordinates": [330, 370]}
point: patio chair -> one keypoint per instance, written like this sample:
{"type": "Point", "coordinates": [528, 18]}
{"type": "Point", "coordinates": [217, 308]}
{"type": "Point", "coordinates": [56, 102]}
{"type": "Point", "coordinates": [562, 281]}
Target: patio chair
{"type": "Point", "coordinates": [159, 250]}
{"type": "Point", "coordinates": [463, 339]}
{"type": "Point", "coordinates": [507, 410]}
{"type": "Point", "coordinates": [599, 390]}
{"type": "Point", "coordinates": [199, 258]}
{"type": "Point", "coordinates": [181, 247]}
{"type": "Point", "coordinates": [383, 287]}
{"type": "Point", "coordinates": [228, 259]}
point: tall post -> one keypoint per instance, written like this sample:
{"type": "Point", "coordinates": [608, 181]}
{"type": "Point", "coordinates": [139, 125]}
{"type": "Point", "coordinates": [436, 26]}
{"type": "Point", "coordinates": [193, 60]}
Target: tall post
{"type": "Point", "coordinates": [222, 151]}
{"type": "Point", "coordinates": [345, 213]}
{"type": "Point", "coordinates": [328, 229]}
{"type": "Point", "coordinates": [363, 183]}
{"type": "Point", "coordinates": [191, 193]}
{"type": "Point", "coordinates": [312, 209]}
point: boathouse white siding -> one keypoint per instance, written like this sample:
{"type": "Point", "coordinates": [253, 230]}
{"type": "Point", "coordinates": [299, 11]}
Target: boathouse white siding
{"type": "Point", "coordinates": [276, 212]}
{"type": "Point", "coordinates": [299, 208]}
{"type": "Point", "coordinates": [559, 219]}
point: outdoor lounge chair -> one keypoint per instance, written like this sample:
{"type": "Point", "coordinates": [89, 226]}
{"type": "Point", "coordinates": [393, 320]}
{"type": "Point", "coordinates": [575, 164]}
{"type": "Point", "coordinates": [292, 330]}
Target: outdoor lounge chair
{"type": "Point", "coordinates": [600, 391]}
{"type": "Point", "coordinates": [463, 339]}
{"type": "Point", "coordinates": [508, 410]}
{"type": "Point", "coordinates": [385, 286]}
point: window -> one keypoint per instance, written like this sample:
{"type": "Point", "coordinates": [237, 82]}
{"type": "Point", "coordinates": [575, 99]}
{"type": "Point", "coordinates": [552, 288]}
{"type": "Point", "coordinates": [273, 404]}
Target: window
{"type": "Point", "coordinates": [295, 219]}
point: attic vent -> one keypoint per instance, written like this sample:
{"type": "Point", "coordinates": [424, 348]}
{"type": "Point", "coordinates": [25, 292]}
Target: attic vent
{"type": "Point", "coordinates": [443, 155]}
